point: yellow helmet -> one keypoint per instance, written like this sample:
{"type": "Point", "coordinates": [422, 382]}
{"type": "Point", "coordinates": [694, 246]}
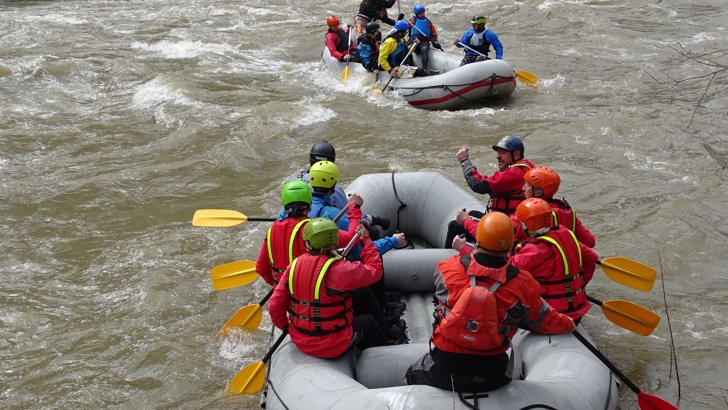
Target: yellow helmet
{"type": "Point", "coordinates": [323, 174]}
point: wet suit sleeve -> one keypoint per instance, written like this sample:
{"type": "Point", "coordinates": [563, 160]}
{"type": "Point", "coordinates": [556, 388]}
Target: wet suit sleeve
{"type": "Point", "coordinates": [495, 42]}
{"type": "Point", "coordinates": [475, 181]}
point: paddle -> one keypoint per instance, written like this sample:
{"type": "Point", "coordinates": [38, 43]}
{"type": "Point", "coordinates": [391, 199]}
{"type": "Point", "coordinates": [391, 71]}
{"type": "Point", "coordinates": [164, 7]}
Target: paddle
{"type": "Point", "coordinates": [251, 378]}
{"type": "Point", "coordinates": [628, 315]}
{"type": "Point", "coordinates": [629, 273]}
{"type": "Point", "coordinates": [345, 73]}
{"type": "Point", "coordinates": [392, 77]}
{"type": "Point", "coordinates": [646, 401]}
{"type": "Point", "coordinates": [525, 77]}
{"type": "Point", "coordinates": [248, 317]}
{"type": "Point", "coordinates": [233, 274]}
{"type": "Point", "coordinates": [223, 218]}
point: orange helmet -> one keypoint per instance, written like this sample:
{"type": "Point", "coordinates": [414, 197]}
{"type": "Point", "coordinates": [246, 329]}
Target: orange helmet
{"type": "Point", "coordinates": [332, 21]}
{"type": "Point", "coordinates": [495, 232]}
{"type": "Point", "coordinates": [546, 179]}
{"type": "Point", "coordinates": [534, 213]}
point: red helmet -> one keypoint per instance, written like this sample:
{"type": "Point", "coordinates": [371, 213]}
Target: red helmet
{"type": "Point", "coordinates": [545, 179]}
{"type": "Point", "coordinates": [495, 232]}
{"type": "Point", "coordinates": [332, 21]}
{"type": "Point", "coordinates": [534, 213]}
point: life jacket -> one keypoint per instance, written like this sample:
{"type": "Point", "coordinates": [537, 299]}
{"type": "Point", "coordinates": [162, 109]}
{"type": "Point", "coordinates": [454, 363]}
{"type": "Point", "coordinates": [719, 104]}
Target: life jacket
{"type": "Point", "coordinates": [566, 216]}
{"type": "Point", "coordinates": [479, 43]}
{"type": "Point", "coordinates": [368, 49]}
{"type": "Point", "coordinates": [397, 57]}
{"type": "Point", "coordinates": [473, 321]}
{"type": "Point", "coordinates": [507, 202]}
{"type": "Point", "coordinates": [567, 294]}
{"type": "Point", "coordinates": [316, 206]}
{"type": "Point", "coordinates": [312, 312]}
{"type": "Point", "coordinates": [424, 28]}
{"type": "Point", "coordinates": [279, 260]}
{"type": "Point", "coordinates": [342, 45]}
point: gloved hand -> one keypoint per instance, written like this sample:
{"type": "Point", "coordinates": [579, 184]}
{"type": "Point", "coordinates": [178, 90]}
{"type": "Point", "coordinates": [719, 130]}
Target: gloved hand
{"type": "Point", "coordinates": [383, 222]}
{"type": "Point", "coordinates": [437, 46]}
{"type": "Point", "coordinates": [401, 16]}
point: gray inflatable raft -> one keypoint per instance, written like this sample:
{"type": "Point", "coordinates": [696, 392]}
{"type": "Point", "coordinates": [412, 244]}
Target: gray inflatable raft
{"type": "Point", "coordinates": [453, 88]}
{"type": "Point", "coordinates": [550, 372]}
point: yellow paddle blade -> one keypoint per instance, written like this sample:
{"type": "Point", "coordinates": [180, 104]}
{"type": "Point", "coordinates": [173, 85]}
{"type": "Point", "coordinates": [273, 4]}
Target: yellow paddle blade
{"type": "Point", "coordinates": [248, 317]}
{"type": "Point", "coordinates": [528, 78]}
{"type": "Point", "coordinates": [345, 74]}
{"type": "Point", "coordinates": [629, 273]}
{"type": "Point", "coordinates": [632, 317]}
{"type": "Point", "coordinates": [217, 218]}
{"type": "Point", "coordinates": [249, 380]}
{"type": "Point", "coordinates": [233, 274]}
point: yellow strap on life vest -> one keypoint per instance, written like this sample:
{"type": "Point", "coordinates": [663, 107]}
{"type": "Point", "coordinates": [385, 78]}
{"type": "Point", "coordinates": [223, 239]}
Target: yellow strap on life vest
{"type": "Point", "coordinates": [319, 280]}
{"type": "Point", "coordinates": [561, 251]}
{"type": "Point", "coordinates": [290, 243]}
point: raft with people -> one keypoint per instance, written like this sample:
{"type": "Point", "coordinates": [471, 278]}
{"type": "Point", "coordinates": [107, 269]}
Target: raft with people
{"type": "Point", "coordinates": [556, 371]}
{"type": "Point", "coordinates": [451, 87]}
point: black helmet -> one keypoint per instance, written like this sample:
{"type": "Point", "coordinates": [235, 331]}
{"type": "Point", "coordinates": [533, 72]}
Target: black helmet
{"type": "Point", "coordinates": [478, 19]}
{"type": "Point", "coordinates": [322, 151]}
{"type": "Point", "coordinates": [372, 27]}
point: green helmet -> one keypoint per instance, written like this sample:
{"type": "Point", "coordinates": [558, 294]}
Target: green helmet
{"type": "Point", "coordinates": [321, 232]}
{"type": "Point", "coordinates": [323, 174]}
{"type": "Point", "coordinates": [296, 191]}
{"type": "Point", "coordinates": [478, 19]}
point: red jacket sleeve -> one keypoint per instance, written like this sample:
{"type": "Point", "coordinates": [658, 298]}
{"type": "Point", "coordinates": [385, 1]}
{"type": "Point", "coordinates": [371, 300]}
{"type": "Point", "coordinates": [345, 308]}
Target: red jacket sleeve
{"type": "Point", "coordinates": [588, 262]}
{"type": "Point", "coordinates": [355, 275]}
{"type": "Point", "coordinates": [584, 235]}
{"type": "Point", "coordinates": [280, 302]}
{"type": "Point", "coordinates": [262, 264]}
{"type": "Point", "coordinates": [354, 216]}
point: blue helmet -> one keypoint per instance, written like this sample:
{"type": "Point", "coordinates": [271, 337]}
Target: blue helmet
{"type": "Point", "coordinates": [418, 8]}
{"type": "Point", "coordinates": [510, 143]}
{"type": "Point", "coordinates": [401, 25]}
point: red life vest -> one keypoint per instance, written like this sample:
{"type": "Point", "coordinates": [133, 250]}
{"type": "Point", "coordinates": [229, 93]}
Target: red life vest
{"type": "Point", "coordinates": [507, 202]}
{"type": "Point", "coordinates": [564, 215]}
{"type": "Point", "coordinates": [473, 321]}
{"type": "Point", "coordinates": [313, 312]}
{"type": "Point", "coordinates": [567, 294]}
{"type": "Point", "coordinates": [284, 244]}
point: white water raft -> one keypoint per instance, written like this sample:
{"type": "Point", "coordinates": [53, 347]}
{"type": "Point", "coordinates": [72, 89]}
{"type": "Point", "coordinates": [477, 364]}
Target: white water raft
{"type": "Point", "coordinates": [454, 87]}
{"type": "Point", "coordinates": [550, 372]}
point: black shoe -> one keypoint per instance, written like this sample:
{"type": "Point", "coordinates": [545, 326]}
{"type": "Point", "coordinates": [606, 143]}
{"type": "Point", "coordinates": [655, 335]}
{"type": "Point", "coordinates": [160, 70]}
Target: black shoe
{"type": "Point", "coordinates": [397, 333]}
{"type": "Point", "coordinates": [394, 308]}
{"type": "Point", "coordinates": [383, 222]}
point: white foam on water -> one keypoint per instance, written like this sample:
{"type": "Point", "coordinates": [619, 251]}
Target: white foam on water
{"type": "Point", "coordinates": [184, 49]}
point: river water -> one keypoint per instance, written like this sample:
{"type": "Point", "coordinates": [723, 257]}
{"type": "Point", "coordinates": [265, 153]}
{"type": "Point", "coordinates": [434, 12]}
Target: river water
{"type": "Point", "coordinates": [119, 119]}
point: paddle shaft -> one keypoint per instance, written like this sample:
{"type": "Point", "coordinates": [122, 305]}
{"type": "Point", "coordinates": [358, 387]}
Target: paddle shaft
{"type": "Point", "coordinates": [594, 301]}
{"type": "Point", "coordinates": [473, 50]}
{"type": "Point", "coordinates": [405, 59]}
{"type": "Point", "coordinates": [260, 219]}
{"type": "Point", "coordinates": [273, 348]}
